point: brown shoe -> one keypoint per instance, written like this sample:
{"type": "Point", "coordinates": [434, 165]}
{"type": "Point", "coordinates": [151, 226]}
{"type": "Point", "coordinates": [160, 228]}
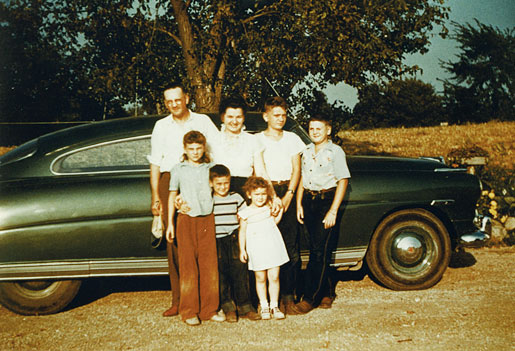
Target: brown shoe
{"type": "Point", "coordinates": [303, 307]}
{"type": "Point", "coordinates": [327, 302]}
{"type": "Point", "coordinates": [253, 316]}
{"type": "Point", "coordinates": [231, 317]}
{"type": "Point", "coordinates": [289, 308]}
{"type": "Point", "coordinates": [172, 311]}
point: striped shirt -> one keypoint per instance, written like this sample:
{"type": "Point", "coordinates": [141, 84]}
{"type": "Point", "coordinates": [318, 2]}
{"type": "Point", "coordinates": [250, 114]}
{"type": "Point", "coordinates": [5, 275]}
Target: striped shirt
{"type": "Point", "coordinates": [225, 210]}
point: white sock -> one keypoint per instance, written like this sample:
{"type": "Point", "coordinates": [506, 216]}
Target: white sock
{"type": "Point", "coordinates": [263, 304]}
{"type": "Point", "coordinates": [273, 304]}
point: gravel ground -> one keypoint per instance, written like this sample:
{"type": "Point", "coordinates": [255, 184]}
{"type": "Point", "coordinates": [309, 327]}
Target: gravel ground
{"type": "Point", "coordinates": [472, 308]}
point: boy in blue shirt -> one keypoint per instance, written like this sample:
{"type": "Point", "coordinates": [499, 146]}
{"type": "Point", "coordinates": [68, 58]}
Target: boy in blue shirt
{"type": "Point", "coordinates": [195, 231]}
{"type": "Point", "coordinates": [322, 187]}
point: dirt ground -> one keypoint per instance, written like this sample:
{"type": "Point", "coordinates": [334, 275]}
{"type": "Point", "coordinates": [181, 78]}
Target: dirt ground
{"type": "Point", "coordinates": [472, 308]}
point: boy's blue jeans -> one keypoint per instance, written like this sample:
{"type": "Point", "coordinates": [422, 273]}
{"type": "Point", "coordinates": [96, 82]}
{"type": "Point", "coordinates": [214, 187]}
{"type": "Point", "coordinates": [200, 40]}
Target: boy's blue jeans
{"type": "Point", "coordinates": [322, 243]}
{"type": "Point", "coordinates": [233, 276]}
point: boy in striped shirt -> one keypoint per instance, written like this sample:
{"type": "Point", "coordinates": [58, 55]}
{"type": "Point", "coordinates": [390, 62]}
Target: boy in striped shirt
{"type": "Point", "coordinates": [233, 274]}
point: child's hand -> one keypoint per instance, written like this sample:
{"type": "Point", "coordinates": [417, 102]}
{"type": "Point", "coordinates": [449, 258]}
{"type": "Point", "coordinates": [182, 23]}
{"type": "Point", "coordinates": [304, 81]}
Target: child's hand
{"type": "Point", "coordinates": [276, 205]}
{"type": "Point", "coordinates": [170, 233]}
{"type": "Point", "coordinates": [329, 219]}
{"type": "Point", "coordinates": [243, 256]}
{"type": "Point", "coordinates": [300, 214]}
{"type": "Point", "coordinates": [181, 206]}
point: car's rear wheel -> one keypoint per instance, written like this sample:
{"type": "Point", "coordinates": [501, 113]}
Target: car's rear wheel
{"type": "Point", "coordinates": [38, 296]}
{"type": "Point", "coordinates": [409, 250]}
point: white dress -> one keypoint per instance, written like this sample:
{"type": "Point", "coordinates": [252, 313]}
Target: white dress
{"type": "Point", "coordinates": [265, 245]}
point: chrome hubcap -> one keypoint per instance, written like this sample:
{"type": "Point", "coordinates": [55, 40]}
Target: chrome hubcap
{"type": "Point", "coordinates": [411, 250]}
{"type": "Point", "coordinates": [407, 250]}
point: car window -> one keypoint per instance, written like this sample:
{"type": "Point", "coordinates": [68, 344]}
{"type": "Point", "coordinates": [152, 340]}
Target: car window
{"type": "Point", "coordinates": [116, 156]}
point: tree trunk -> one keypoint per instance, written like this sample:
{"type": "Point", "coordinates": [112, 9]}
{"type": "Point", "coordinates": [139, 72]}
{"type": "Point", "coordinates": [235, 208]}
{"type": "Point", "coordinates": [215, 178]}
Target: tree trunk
{"type": "Point", "coordinates": [205, 74]}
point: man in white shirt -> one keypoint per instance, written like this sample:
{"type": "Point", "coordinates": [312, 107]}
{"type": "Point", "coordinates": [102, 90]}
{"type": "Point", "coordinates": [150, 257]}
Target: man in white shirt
{"type": "Point", "coordinates": [282, 163]}
{"type": "Point", "coordinates": [167, 149]}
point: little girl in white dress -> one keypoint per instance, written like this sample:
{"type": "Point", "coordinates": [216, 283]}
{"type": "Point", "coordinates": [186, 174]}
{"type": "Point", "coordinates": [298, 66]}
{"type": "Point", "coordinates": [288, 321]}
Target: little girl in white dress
{"type": "Point", "coordinates": [262, 245]}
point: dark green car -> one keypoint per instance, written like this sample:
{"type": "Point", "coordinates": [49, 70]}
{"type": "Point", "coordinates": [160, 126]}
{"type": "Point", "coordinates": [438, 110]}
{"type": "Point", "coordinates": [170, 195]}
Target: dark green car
{"type": "Point", "coordinates": [75, 204]}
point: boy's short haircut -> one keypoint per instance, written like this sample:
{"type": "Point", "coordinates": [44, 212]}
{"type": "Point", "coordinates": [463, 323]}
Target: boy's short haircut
{"type": "Point", "coordinates": [321, 118]}
{"type": "Point", "coordinates": [219, 170]}
{"type": "Point", "coordinates": [275, 101]}
{"type": "Point", "coordinates": [194, 137]}
{"type": "Point", "coordinates": [233, 102]}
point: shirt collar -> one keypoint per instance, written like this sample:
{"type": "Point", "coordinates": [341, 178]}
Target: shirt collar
{"type": "Point", "coordinates": [311, 147]}
{"type": "Point", "coordinates": [172, 120]}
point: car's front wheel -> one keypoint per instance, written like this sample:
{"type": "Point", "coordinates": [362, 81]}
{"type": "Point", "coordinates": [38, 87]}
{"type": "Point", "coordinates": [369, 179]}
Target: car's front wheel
{"type": "Point", "coordinates": [38, 296]}
{"type": "Point", "coordinates": [409, 250]}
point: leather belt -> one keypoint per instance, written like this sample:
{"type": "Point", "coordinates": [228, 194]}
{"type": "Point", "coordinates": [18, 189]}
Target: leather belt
{"type": "Point", "coordinates": [281, 182]}
{"type": "Point", "coordinates": [321, 193]}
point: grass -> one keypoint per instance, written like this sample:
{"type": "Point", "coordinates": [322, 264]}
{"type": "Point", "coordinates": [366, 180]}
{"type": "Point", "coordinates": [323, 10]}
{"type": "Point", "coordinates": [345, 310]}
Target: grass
{"type": "Point", "coordinates": [494, 137]}
{"type": "Point", "coordinates": [4, 149]}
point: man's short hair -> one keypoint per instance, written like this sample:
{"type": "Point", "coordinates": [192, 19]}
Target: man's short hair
{"type": "Point", "coordinates": [175, 85]}
{"type": "Point", "coordinates": [232, 102]}
{"type": "Point", "coordinates": [219, 170]}
{"type": "Point", "coordinates": [321, 118]}
{"type": "Point", "coordinates": [275, 101]}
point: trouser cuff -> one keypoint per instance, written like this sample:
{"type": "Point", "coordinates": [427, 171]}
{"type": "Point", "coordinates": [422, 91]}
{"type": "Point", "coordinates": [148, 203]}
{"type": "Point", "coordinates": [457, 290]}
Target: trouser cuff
{"type": "Point", "coordinates": [229, 307]}
{"type": "Point", "coordinates": [242, 310]}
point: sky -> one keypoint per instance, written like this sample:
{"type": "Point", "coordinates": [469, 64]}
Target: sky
{"type": "Point", "coordinates": [498, 13]}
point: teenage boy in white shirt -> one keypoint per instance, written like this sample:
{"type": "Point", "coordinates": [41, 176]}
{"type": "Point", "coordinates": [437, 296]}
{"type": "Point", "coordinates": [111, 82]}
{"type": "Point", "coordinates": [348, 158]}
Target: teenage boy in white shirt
{"type": "Point", "coordinates": [282, 162]}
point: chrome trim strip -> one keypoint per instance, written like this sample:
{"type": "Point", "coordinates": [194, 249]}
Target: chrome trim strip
{"type": "Point", "coordinates": [444, 202]}
{"type": "Point", "coordinates": [450, 170]}
{"type": "Point", "coordinates": [129, 267]}
{"type": "Point", "coordinates": [341, 257]}
{"type": "Point", "coordinates": [83, 269]}
{"type": "Point", "coordinates": [440, 159]}
{"type": "Point", "coordinates": [44, 270]}
{"type": "Point", "coordinates": [57, 159]}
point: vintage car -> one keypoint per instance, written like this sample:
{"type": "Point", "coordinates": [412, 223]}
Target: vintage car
{"type": "Point", "coordinates": [75, 204]}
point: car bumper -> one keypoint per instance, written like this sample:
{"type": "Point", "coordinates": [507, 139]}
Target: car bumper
{"type": "Point", "coordinates": [478, 238]}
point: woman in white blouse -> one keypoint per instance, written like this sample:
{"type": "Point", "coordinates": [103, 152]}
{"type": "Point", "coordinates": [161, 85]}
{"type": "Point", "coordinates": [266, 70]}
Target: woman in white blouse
{"type": "Point", "coordinates": [238, 150]}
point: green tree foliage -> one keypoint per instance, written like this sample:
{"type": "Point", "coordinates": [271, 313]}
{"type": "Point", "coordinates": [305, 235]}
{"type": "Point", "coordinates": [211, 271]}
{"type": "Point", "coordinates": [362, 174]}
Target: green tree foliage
{"type": "Point", "coordinates": [238, 46]}
{"type": "Point", "coordinates": [34, 84]}
{"type": "Point", "coordinates": [314, 102]}
{"type": "Point", "coordinates": [118, 52]}
{"type": "Point", "coordinates": [481, 87]}
{"type": "Point", "coordinates": [407, 103]}
{"type": "Point", "coordinates": [124, 51]}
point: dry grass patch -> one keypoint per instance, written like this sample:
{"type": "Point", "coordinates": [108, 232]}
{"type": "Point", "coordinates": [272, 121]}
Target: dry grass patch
{"type": "Point", "coordinates": [4, 149]}
{"type": "Point", "coordinates": [494, 137]}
